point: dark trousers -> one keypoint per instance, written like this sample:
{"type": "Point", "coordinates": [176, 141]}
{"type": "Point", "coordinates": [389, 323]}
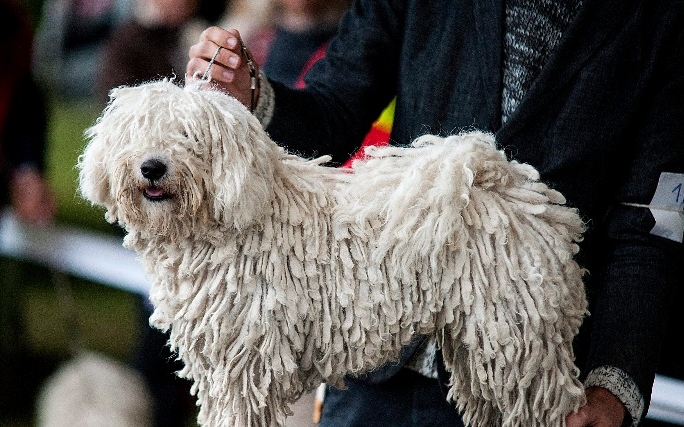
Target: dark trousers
{"type": "Point", "coordinates": [406, 399]}
{"type": "Point", "coordinates": [173, 404]}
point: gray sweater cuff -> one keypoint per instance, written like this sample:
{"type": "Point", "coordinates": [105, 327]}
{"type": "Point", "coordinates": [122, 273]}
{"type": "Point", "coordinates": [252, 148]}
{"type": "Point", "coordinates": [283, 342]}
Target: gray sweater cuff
{"type": "Point", "coordinates": [622, 386]}
{"type": "Point", "coordinates": [266, 102]}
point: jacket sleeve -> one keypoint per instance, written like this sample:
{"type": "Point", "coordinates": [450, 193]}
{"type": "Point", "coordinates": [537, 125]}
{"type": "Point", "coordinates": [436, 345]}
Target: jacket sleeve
{"type": "Point", "coordinates": [642, 232]}
{"type": "Point", "coordinates": [347, 90]}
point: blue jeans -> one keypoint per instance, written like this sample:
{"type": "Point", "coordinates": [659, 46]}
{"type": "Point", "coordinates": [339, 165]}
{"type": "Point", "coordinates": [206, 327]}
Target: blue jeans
{"type": "Point", "coordinates": [406, 399]}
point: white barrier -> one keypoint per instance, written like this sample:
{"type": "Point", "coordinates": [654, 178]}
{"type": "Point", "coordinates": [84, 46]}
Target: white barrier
{"type": "Point", "coordinates": [81, 253]}
{"type": "Point", "coordinates": [667, 400]}
{"type": "Point", "coordinates": [101, 258]}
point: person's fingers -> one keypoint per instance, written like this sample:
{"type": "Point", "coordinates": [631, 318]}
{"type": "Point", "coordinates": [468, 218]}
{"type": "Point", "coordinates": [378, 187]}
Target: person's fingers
{"type": "Point", "coordinates": [215, 37]}
{"type": "Point", "coordinates": [219, 73]}
{"type": "Point", "coordinates": [197, 59]}
{"type": "Point", "coordinates": [602, 409]}
{"type": "Point", "coordinates": [227, 57]}
{"type": "Point", "coordinates": [232, 59]}
{"type": "Point", "coordinates": [221, 60]}
{"type": "Point", "coordinates": [577, 419]}
{"type": "Point", "coordinates": [218, 35]}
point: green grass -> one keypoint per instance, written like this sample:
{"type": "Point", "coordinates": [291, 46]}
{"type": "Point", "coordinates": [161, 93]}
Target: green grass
{"type": "Point", "coordinates": [39, 327]}
{"type": "Point", "coordinates": [65, 143]}
{"type": "Point", "coordinates": [103, 317]}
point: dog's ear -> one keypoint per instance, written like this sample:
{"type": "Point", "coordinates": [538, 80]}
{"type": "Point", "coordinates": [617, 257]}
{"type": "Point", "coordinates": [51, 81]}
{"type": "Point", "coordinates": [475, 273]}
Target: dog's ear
{"type": "Point", "coordinates": [243, 158]}
{"type": "Point", "coordinates": [94, 181]}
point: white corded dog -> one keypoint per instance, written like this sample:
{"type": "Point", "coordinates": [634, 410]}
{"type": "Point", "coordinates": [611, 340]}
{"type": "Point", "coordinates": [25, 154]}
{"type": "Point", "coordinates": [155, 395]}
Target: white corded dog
{"type": "Point", "coordinates": [274, 273]}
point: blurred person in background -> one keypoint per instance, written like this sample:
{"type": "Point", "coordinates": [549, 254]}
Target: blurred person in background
{"type": "Point", "coordinates": [68, 42]}
{"type": "Point", "coordinates": [23, 186]}
{"type": "Point", "coordinates": [295, 37]}
{"type": "Point", "coordinates": [247, 15]}
{"type": "Point", "coordinates": [23, 122]}
{"type": "Point", "coordinates": [152, 42]}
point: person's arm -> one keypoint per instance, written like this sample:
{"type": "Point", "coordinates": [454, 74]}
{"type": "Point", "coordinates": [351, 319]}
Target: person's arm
{"type": "Point", "coordinates": [346, 91]}
{"type": "Point", "coordinates": [643, 257]}
{"type": "Point", "coordinates": [30, 194]}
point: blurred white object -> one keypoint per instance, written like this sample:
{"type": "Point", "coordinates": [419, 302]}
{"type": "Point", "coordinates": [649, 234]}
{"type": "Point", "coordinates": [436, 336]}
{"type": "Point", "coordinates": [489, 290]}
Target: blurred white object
{"type": "Point", "coordinates": [667, 400]}
{"type": "Point", "coordinates": [92, 390]}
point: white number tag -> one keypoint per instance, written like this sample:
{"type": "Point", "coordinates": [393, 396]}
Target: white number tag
{"type": "Point", "coordinates": [667, 207]}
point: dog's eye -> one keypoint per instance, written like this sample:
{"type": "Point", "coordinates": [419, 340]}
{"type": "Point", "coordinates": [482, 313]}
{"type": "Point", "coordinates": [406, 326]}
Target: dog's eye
{"type": "Point", "coordinates": [186, 135]}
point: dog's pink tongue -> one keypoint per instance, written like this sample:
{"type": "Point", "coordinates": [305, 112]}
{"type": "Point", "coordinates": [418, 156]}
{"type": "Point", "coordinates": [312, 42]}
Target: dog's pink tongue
{"type": "Point", "coordinates": [154, 191]}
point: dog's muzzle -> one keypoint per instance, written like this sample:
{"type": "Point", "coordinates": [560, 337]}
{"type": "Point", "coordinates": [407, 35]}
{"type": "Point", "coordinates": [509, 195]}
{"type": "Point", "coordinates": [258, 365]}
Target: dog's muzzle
{"type": "Point", "coordinates": [153, 170]}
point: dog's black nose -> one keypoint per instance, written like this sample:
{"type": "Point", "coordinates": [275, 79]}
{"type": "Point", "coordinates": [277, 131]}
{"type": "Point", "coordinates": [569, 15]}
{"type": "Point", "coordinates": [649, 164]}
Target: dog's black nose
{"type": "Point", "coordinates": [153, 169]}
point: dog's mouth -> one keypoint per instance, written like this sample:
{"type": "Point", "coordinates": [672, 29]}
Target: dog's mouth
{"type": "Point", "coordinates": [156, 193]}
{"type": "Point", "coordinates": [153, 170]}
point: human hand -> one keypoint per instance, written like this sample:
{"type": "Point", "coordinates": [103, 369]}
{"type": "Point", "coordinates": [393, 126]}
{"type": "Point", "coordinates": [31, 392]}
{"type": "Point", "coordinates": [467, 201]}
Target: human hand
{"type": "Point", "coordinates": [602, 409]}
{"type": "Point", "coordinates": [233, 70]}
{"type": "Point", "coordinates": [31, 198]}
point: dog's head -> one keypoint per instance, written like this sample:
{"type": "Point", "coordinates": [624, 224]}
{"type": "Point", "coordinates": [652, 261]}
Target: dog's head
{"type": "Point", "coordinates": [165, 160]}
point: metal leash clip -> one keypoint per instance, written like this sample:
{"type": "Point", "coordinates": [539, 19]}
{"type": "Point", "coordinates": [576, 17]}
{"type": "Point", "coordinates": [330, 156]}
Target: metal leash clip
{"type": "Point", "coordinates": [205, 76]}
{"type": "Point", "coordinates": [254, 78]}
{"type": "Point", "coordinates": [253, 75]}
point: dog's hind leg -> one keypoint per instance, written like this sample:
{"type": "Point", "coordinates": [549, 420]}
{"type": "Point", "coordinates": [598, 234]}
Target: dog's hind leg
{"type": "Point", "coordinates": [465, 391]}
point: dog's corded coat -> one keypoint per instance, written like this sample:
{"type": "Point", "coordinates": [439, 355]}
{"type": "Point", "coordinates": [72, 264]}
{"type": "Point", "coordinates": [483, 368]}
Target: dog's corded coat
{"type": "Point", "coordinates": [274, 273]}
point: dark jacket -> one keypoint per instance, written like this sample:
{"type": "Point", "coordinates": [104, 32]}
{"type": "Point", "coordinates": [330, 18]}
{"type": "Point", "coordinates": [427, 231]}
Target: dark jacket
{"type": "Point", "coordinates": [23, 105]}
{"type": "Point", "coordinates": [602, 121]}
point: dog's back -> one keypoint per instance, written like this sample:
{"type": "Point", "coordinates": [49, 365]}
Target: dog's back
{"type": "Point", "coordinates": [474, 247]}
